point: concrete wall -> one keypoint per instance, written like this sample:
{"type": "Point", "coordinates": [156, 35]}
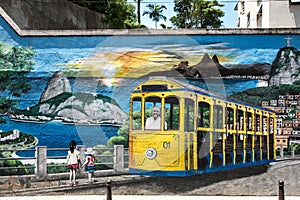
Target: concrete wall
{"type": "Point", "coordinates": [51, 15]}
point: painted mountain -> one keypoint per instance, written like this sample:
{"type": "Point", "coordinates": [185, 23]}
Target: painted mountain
{"type": "Point", "coordinates": [57, 102]}
{"type": "Point", "coordinates": [286, 67]}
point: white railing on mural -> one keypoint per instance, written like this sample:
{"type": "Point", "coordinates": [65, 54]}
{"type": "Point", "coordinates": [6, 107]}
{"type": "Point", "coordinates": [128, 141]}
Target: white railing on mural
{"type": "Point", "coordinates": [117, 160]}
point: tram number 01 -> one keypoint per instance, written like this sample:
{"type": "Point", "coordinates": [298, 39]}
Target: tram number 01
{"type": "Point", "coordinates": [166, 145]}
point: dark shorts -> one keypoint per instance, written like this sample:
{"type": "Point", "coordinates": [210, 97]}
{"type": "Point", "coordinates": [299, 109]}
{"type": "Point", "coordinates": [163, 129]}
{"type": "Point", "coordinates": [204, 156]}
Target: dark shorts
{"type": "Point", "coordinates": [89, 169]}
{"type": "Point", "coordinates": [73, 166]}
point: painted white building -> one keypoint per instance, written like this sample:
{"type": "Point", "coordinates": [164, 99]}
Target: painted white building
{"type": "Point", "coordinates": [268, 13]}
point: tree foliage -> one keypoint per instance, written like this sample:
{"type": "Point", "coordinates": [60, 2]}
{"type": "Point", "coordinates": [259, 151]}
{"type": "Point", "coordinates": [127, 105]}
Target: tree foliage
{"type": "Point", "coordinates": [118, 13]}
{"type": "Point", "coordinates": [122, 138]}
{"type": "Point", "coordinates": [197, 14]}
{"type": "Point", "coordinates": [155, 13]}
{"type": "Point", "coordinates": [15, 63]}
{"type": "Point", "coordinates": [255, 96]}
{"type": "Point", "coordinates": [6, 104]}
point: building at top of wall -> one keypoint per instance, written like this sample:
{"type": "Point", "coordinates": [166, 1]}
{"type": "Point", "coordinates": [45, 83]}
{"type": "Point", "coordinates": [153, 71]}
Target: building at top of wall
{"type": "Point", "coordinates": [268, 14]}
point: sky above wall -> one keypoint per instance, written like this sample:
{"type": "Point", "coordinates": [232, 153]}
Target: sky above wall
{"type": "Point", "coordinates": [229, 20]}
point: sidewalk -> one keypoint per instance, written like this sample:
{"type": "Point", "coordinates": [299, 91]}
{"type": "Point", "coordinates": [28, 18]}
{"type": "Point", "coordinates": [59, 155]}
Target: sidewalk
{"type": "Point", "coordinates": [158, 197]}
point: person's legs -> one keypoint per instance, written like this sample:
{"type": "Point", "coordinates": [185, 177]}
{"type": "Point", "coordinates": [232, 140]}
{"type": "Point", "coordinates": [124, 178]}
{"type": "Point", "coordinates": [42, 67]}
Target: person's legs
{"type": "Point", "coordinates": [92, 174]}
{"type": "Point", "coordinates": [89, 177]}
{"type": "Point", "coordinates": [71, 174]}
{"type": "Point", "coordinates": [74, 177]}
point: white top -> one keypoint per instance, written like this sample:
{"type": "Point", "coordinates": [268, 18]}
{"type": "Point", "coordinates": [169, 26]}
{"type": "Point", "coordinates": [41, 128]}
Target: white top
{"type": "Point", "coordinates": [72, 158]}
{"type": "Point", "coordinates": [152, 123]}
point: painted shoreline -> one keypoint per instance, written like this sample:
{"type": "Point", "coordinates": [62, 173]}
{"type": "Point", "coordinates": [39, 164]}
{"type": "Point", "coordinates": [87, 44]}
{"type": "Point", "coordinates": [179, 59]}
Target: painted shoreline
{"type": "Point", "coordinates": [66, 123]}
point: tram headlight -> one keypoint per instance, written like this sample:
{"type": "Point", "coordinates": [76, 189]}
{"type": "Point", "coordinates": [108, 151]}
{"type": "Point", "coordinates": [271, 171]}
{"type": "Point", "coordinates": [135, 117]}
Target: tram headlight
{"type": "Point", "coordinates": [151, 153]}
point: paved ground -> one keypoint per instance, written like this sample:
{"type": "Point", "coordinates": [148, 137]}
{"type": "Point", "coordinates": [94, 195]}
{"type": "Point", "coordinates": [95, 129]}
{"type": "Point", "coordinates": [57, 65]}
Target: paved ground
{"type": "Point", "coordinates": [153, 197]}
{"type": "Point", "coordinates": [249, 184]}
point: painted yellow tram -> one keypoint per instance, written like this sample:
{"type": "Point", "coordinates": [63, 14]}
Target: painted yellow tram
{"type": "Point", "coordinates": [195, 131]}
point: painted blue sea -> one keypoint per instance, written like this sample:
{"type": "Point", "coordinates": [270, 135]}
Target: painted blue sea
{"type": "Point", "coordinates": [55, 134]}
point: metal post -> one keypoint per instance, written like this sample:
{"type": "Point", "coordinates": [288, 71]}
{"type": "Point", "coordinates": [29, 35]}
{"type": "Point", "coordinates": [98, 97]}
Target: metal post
{"type": "Point", "coordinates": [281, 190]}
{"type": "Point", "coordinates": [108, 194]}
{"type": "Point", "coordinates": [293, 152]}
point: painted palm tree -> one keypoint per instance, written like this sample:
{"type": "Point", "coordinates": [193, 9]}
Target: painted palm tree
{"type": "Point", "coordinates": [155, 13]}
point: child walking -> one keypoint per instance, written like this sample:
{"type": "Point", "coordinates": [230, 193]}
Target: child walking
{"type": "Point", "coordinates": [72, 160]}
{"type": "Point", "coordinates": [89, 164]}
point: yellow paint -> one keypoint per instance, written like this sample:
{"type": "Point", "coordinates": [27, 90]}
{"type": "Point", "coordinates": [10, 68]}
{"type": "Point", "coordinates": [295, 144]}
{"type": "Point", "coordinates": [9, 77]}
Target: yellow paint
{"type": "Point", "coordinates": [131, 64]}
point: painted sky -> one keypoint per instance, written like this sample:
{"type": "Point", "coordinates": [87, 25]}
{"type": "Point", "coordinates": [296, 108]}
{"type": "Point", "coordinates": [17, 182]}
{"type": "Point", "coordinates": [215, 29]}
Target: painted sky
{"type": "Point", "coordinates": [134, 56]}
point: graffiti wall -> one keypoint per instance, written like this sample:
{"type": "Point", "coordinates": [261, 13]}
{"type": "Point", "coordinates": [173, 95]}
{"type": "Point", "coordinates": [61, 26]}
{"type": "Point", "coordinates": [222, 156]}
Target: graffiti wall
{"type": "Point", "coordinates": [58, 88]}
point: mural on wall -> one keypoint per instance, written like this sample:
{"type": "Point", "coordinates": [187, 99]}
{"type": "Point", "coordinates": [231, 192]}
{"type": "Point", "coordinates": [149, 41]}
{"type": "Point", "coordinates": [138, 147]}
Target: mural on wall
{"type": "Point", "coordinates": [60, 88]}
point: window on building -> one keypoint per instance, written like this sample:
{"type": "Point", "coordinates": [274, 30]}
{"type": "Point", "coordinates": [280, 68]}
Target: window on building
{"type": "Point", "coordinates": [248, 19]}
{"type": "Point", "coordinates": [259, 14]}
{"type": "Point", "coordinates": [259, 2]}
{"type": "Point", "coordinates": [242, 8]}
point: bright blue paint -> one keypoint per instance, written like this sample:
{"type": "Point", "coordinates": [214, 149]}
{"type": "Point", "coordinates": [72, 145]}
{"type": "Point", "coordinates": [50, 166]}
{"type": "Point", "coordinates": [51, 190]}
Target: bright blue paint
{"type": "Point", "coordinates": [195, 172]}
{"type": "Point", "coordinates": [54, 134]}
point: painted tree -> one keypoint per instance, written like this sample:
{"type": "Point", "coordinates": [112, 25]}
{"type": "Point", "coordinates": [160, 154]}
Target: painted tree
{"type": "Point", "coordinates": [15, 63]}
{"type": "Point", "coordinates": [155, 13]}
{"type": "Point", "coordinates": [197, 14]}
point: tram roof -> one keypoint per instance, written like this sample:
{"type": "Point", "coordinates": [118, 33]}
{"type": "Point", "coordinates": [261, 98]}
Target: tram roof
{"type": "Point", "coordinates": [180, 85]}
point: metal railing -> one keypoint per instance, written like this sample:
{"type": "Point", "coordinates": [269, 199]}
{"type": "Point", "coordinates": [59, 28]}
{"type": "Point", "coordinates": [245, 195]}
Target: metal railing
{"type": "Point", "coordinates": [45, 163]}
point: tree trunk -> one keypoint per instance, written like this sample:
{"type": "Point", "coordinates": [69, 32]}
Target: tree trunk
{"type": "Point", "coordinates": [139, 11]}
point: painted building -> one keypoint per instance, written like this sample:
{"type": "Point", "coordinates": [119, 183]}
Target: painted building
{"type": "Point", "coordinates": [268, 14]}
{"type": "Point", "coordinates": [287, 118]}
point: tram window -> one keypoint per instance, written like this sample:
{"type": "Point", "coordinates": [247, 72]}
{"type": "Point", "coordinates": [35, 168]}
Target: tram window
{"type": "Point", "coordinates": [218, 116]}
{"type": "Point", "coordinates": [265, 122]}
{"type": "Point", "coordinates": [136, 114]}
{"type": "Point", "coordinates": [153, 113]}
{"type": "Point", "coordinates": [257, 123]}
{"type": "Point", "coordinates": [172, 113]}
{"type": "Point", "coordinates": [240, 120]}
{"type": "Point", "coordinates": [203, 114]}
{"type": "Point", "coordinates": [229, 118]}
{"type": "Point", "coordinates": [249, 121]}
{"type": "Point", "coordinates": [271, 125]}
{"type": "Point", "coordinates": [188, 115]}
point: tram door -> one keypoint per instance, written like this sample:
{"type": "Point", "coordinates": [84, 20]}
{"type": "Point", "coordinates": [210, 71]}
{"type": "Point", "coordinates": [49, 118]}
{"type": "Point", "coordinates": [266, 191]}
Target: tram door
{"type": "Point", "coordinates": [189, 130]}
{"type": "Point", "coordinates": [203, 134]}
